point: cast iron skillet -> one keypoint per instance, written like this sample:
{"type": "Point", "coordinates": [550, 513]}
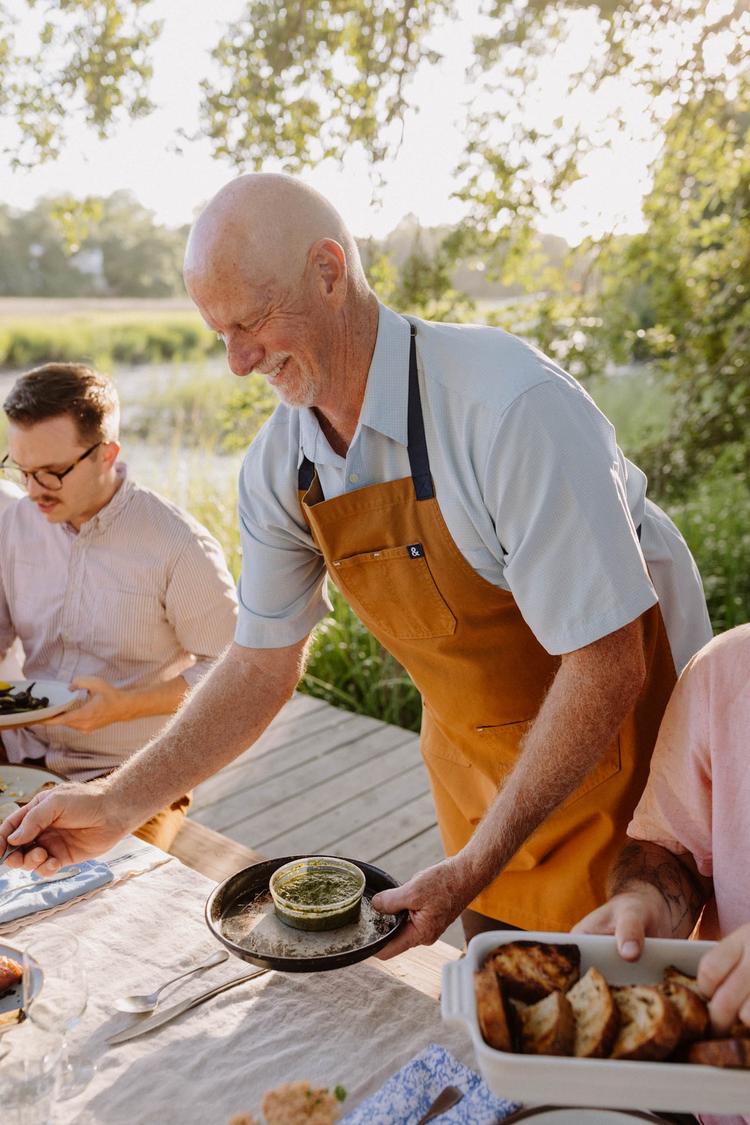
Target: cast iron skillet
{"type": "Point", "coordinates": [245, 885]}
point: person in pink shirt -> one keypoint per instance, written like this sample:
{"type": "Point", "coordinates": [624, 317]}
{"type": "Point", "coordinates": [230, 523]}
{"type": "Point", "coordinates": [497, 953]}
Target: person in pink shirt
{"type": "Point", "coordinates": [686, 863]}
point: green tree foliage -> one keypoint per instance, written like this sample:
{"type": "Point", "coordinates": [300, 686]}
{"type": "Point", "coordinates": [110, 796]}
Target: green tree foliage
{"type": "Point", "coordinates": [95, 246]}
{"type": "Point", "coordinates": [139, 257]}
{"type": "Point", "coordinates": [90, 57]}
{"type": "Point", "coordinates": [301, 82]}
{"type": "Point", "coordinates": [678, 295]}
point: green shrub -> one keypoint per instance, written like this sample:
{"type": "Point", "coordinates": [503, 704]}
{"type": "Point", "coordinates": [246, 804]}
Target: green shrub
{"type": "Point", "coordinates": [714, 517]}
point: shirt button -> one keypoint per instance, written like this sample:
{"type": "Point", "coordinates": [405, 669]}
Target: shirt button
{"type": "Point", "coordinates": [354, 477]}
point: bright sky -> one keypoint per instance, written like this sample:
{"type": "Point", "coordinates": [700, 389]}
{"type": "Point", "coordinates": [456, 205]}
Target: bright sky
{"type": "Point", "coordinates": [174, 183]}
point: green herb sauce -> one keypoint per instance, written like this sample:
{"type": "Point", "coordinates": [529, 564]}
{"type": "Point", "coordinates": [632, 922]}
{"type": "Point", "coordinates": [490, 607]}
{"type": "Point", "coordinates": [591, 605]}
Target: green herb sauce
{"type": "Point", "coordinates": [319, 888]}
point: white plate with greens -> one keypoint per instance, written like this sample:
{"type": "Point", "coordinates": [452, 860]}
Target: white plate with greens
{"type": "Point", "coordinates": [14, 695]}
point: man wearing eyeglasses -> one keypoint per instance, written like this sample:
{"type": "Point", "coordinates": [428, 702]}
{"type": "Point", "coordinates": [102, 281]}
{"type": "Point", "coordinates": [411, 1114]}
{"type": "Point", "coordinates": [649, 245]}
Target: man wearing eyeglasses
{"type": "Point", "coordinates": [110, 588]}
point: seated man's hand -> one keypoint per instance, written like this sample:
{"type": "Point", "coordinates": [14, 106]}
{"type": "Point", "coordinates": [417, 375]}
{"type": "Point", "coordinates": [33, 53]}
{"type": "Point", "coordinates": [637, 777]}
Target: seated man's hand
{"type": "Point", "coordinates": [65, 825]}
{"type": "Point", "coordinates": [724, 977]}
{"type": "Point", "coordinates": [631, 917]}
{"type": "Point", "coordinates": [105, 705]}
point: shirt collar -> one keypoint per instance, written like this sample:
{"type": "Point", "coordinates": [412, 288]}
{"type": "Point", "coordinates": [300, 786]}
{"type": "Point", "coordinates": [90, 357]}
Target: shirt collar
{"type": "Point", "coordinates": [386, 398]}
{"type": "Point", "coordinates": [113, 507]}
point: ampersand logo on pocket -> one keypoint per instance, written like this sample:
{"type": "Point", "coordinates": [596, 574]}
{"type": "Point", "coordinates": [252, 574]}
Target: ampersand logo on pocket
{"type": "Point", "coordinates": [416, 550]}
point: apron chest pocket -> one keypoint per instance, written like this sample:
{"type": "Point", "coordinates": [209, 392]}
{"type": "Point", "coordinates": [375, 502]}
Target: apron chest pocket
{"type": "Point", "coordinates": [394, 592]}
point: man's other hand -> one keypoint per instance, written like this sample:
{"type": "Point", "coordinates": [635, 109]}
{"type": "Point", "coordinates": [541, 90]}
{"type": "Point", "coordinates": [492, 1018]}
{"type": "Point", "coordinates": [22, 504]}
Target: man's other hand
{"type": "Point", "coordinates": [434, 898]}
{"type": "Point", "coordinates": [105, 705]}
{"type": "Point", "coordinates": [631, 917]}
{"type": "Point", "coordinates": [724, 977]}
{"type": "Point", "coordinates": [65, 825]}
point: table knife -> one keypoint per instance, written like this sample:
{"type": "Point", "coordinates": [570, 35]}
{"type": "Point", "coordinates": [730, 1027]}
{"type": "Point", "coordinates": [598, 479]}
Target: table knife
{"type": "Point", "coordinates": [142, 1027]}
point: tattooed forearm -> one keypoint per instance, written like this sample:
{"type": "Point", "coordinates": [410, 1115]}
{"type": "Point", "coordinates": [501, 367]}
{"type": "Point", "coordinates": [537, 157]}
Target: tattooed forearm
{"type": "Point", "coordinates": [681, 888]}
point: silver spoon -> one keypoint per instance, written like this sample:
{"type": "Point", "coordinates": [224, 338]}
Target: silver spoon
{"type": "Point", "coordinates": [445, 1100]}
{"type": "Point", "coordinates": [147, 1003]}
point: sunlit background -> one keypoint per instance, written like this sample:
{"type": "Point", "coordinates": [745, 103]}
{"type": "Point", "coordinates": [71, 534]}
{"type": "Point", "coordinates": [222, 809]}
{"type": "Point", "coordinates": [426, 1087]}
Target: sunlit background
{"type": "Point", "coordinates": [573, 172]}
{"type": "Point", "coordinates": [174, 176]}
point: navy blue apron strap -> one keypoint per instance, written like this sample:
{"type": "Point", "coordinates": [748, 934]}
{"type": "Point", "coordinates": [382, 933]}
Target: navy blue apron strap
{"type": "Point", "coordinates": [305, 475]}
{"type": "Point", "coordinates": [418, 458]}
{"type": "Point", "coordinates": [419, 461]}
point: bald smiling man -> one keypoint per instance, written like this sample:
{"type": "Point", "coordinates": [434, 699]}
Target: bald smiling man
{"type": "Point", "coordinates": [471, 503]}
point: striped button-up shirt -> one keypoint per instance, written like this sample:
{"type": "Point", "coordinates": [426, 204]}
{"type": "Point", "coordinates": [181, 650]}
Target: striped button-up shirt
{"type": "Point", "coordinates": [139, 595]}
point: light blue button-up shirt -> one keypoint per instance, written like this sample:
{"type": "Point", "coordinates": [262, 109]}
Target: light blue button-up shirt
{"type": "Point", "coordinates": [528, 475]}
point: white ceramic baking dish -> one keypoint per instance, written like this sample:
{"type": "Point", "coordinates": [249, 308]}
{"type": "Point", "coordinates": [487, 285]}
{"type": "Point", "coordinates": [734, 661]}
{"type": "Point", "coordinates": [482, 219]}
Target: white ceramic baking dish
{"type": "Point", "coordinates": [549, 1080]}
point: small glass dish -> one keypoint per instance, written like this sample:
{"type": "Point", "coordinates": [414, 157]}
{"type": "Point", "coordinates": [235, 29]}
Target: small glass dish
{"type": "Point", "coordinates": [317, 892]}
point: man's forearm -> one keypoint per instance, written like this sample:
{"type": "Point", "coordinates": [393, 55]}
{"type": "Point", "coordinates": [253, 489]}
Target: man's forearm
{"type": "Point", "coordinates": [162, 698]}
{"type": "Point", "coordinates": [590, 697]}
{"type": "Point", "coordinates": [684, 892]}
{"type": "Point", "coordinates": [226, 713]}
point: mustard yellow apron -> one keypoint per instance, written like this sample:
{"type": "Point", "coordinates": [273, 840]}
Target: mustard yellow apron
{"type": "Point", "coordinates": [483, 676]}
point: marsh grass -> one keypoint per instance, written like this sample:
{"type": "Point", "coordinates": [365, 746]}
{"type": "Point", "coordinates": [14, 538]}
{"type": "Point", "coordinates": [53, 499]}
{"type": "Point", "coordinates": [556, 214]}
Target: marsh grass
{"type": "Point", "coordinates": [105, 338]}
{"type": "Point", "coordinates": [216, 412]}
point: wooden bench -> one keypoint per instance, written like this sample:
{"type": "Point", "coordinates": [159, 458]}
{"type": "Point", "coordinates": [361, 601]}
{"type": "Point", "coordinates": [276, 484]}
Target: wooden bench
{"type": "Point", "coordinates": [211, 853]}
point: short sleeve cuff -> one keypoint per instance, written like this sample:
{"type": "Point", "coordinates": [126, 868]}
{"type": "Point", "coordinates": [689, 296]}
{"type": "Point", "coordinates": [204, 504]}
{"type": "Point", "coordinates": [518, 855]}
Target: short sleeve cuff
{"type": "Point", "coordinates": [581, 633]}
{"type": "Point", "coordinates": [642, 828]}
{"type": "Point", "coordinates": [257, 632]}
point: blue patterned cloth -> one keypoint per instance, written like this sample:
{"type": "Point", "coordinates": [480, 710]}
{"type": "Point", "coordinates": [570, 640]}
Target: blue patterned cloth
{"type": "Point", "coordinates": [408, 1094]}
{"type": "Point", "coordinates": [21, 894]}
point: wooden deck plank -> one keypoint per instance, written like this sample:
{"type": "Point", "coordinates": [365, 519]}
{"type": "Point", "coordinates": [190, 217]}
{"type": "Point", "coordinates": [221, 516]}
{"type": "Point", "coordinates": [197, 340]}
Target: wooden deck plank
{"type": "Point", "coordinates": [252, 798]}
{"type": "Point", "coordinates": [278, 751]}
{"type": "Point", "coordinates": [414, 854]}
{"type": "Point", "coordinates": [316, 801]}
{"type": "Point", "coordinates": [394, 826]}
{"type": "Point", "coordinates": [421, 968]}
{"type": "Point", "coordinates": [320, 833]}
{"type": "Point", "coordinates": [211, 853]}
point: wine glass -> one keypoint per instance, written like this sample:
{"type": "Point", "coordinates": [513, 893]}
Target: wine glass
{"type": "Point", "coordinates": [61, 1001]}
{"type": "Point", "coordinates": [30, 1062]}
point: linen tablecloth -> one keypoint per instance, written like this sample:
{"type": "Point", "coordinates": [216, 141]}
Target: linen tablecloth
{"type": "Point", "coordinates": [354, 1027]}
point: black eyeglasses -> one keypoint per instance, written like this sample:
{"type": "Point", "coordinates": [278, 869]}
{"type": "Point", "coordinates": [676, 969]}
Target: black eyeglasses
{"type": "Point", "coordinates": [45, 478]}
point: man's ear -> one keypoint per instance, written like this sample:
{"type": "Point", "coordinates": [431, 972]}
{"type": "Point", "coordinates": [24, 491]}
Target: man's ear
{"type": "Point", "coordinates": [328, 262]}
{"type": "Point", "coordinates": [110, 453]}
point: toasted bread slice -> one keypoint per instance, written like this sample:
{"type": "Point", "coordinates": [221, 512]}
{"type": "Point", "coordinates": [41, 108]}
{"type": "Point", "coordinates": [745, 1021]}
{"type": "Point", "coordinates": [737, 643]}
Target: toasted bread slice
{"type": "Point", "coordinates": [692, 1008]}
{"type": "Point", "coordinates": [596, 1016]}
{"type": "Point", "coordinates": [738, 1030]}
{"type": "Point", "coordinates": [720, 1052]}
{"type": "Point", "coordinates": [547, 1027]}
{"type": "Point", "coordinates": [497, 1019]}
{"type": "Point", "coordinates": [674, 975]}
{"type": "Point", "coordinates": [533, 969]}
{"type": "Point", "coordinates": [649, 1023]}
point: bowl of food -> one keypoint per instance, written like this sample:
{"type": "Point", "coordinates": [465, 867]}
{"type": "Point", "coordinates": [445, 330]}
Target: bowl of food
{"type": "Point", "coordinates": [562, 1018]}
{"type": "Point", "coordinates": [317, 892]}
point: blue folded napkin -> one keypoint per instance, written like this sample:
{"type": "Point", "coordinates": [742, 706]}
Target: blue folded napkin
{"type": "Point", "coordinates": [29, 894]}
{"type": "Point", "coordinates": [408, 1094]}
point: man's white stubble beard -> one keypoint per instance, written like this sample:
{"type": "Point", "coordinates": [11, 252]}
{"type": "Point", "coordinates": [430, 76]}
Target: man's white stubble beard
{"type": "Point", "coordinates": [301, 394]}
